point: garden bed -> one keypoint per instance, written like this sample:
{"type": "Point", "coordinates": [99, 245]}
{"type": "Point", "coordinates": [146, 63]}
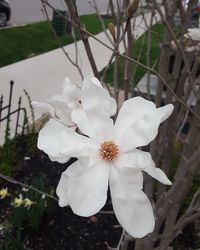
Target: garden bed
{"type": "Point", "coordinates": [46, 226]}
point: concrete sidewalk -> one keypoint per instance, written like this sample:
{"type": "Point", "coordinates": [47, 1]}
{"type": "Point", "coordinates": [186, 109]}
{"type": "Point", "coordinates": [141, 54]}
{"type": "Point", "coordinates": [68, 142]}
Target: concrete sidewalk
{"type": "Point", "coordinates": [42, 76]}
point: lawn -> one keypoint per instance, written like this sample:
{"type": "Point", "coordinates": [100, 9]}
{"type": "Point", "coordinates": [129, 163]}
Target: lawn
{"type": "Point", "coordinates": [140, 48]}
{"type": "Point", "coordinates": [26, 41]}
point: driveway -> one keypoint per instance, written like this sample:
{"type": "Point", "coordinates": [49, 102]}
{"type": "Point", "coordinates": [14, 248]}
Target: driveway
{"type": "Point", "coordinates": [28, 11]}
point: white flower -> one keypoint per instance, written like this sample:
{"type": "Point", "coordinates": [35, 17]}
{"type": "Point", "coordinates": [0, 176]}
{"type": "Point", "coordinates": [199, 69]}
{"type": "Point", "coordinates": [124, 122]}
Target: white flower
{"type": "Point", "coordinates": [61, 106]}
{"type": "Point", "coordinates": [107, 155]}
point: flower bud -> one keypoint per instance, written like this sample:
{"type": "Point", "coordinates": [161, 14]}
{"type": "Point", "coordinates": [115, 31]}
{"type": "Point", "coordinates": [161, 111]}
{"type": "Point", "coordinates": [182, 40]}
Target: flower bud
{"type": "Point", "coordinates": [111, 28]}
{"type": "Point", "coordinates": [178, 144]}
{"type": "Point", "coordinates": [132, 8]}
{"type": "Point", "coordinates": [198, 60]}
{"type": "Point", "coordinates": [173, 45]}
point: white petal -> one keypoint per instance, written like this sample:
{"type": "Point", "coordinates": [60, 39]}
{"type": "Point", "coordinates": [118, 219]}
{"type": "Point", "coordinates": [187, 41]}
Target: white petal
{"type": "Point", "coordinates": [95, 98]}
{"type": "Point", "coordinates": [164, 112]}
{"type": "Point", "coordinates": [133, 209]}
{"type": "Point", "coordinates": [131, 111]}
{"type": "Point", "coordinates": [61, 191]}
{"type": "Point", "coordinates": [70, 93]}
{"type": "Point", "coordinates": [120, 176]}
{"type": "Point", "coordinates": [57, 140]}
{"type": "Point", "coordinates": [74, 170]}
{"type": "Point", "coordinates": [95, 126]}
{"type": "Point", "coordinates": [44, 105]}
{"type": "Point", "coordinates": [80, 118]}
{"type": "Point", "coordinates": [84, 189]}
{"type": "Point", "coordinates": [142, 160]}
{"type": "Point", "coordinates": [94, 118]}
{"type": "Point", "coordinates": [111, 105]}
{"type": "Point", "coordinates": [143, 130]}
{"type": "Point", "coordinates": [62, 111]}
{"type": "Point", "coordinates": [57, 109]}
{"type": "Point", "coordinates": [61, 159]}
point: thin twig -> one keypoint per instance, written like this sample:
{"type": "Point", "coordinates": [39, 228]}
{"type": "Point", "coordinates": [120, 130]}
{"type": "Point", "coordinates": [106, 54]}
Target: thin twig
{"type": "Point", "coordinates": [59, 41]}
{"type": "Point", "coordinates": [180, 48]}
{"type": "Point", "coordinates": [94, 5]}
{"type": "Point", "coordinates": [135, 62]}
{"type": "Point", "coordinates": [115, 49]}
{"type": "Point", "coordinates": [13, 181]}
{"type": "Point", "coordinates": [194, 199]}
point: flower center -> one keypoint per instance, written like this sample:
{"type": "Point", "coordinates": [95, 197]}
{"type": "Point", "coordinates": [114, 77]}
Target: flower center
{"type": "Point", "coordinates": [108, 150]}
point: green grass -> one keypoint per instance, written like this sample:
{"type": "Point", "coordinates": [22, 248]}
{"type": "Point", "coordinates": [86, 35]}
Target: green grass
{"type": "Point", "coordinates": [140, 46]}
{"type": "Point", "coordinates": [23, 42]}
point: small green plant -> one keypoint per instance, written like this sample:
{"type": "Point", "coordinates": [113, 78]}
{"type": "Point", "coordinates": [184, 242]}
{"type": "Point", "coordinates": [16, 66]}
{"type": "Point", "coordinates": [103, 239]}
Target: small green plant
{"type": "Point", "coordinates": [13, 242]}
{"type": "Point", "coordinates": [35, 213]}
{"type": "Point", "coordinates": [29, 212]}
{"type": "Point", "coordinates": [8, 154]}
{"type": "Point", "coordinates": [14, 150]}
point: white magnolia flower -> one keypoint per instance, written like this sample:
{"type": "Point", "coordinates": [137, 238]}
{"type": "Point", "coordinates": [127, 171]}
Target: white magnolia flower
{"type": "Point", "coordinates": [61, 106]}
{"type": "Point", "coordinates": [107, 155]}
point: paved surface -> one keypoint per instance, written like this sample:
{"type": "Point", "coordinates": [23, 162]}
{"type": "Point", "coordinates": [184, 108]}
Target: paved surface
{"type": "Point", "coordinates": [42, 76]}
{"type": "Point", "coordinates": [27, 11]}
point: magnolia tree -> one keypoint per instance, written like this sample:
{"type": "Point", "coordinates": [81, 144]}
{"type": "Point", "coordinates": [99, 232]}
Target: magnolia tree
{"type": "Point", "coordinates": [116, 146]}
{"type": "Point", "coordinates": [116, 136]}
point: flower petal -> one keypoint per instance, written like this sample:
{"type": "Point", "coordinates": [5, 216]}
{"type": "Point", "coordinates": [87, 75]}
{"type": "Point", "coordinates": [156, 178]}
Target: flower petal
{"type": "Point", "coordinates": [97, 106]}
{"type": "Point", "coordinates": [141, 131]}
{"type": "Point", "coordinates": [80, 118]}
{"type": "Point", "coordinates": [138, 159]}
{"type": "Point", "coordinates": [57, 109]}
{"type": "Point", "coordinates": [96, 98]}
{"type": "Point", "coordinates": [61, 159]}
{"type": "Point", "coordinates": [70, 93]}
{"type": "Point", "coordinates": [95, 126]}
{"type": "Point", "coordinates": [57, 140]}
{"type": "Point", "coordinates": [132, 207]}
{"type": "Point", "coordinates": [149, 168]}
{"type": "Point", "coordinates": [44, 105]}
{"type": "Point", "coordinates": [84, 189]}
{"type": "Point", "coordinates": [119, 176]}
{"type": "Point", "coordinates": [131, 111]}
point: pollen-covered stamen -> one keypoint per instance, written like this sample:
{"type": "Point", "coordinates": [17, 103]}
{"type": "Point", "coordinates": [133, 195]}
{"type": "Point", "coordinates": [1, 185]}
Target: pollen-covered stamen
{"type": "Point", "coordinates": [108, 150]}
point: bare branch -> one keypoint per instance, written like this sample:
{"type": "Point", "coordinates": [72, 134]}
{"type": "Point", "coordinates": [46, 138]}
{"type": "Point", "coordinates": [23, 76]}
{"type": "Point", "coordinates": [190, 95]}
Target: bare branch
{"type": "Point", "coordinates": [13, 181]}
{"type": "Point", "coordinates": [73, 12]}
{"type": "Point", "coordinates": [59, 41]}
